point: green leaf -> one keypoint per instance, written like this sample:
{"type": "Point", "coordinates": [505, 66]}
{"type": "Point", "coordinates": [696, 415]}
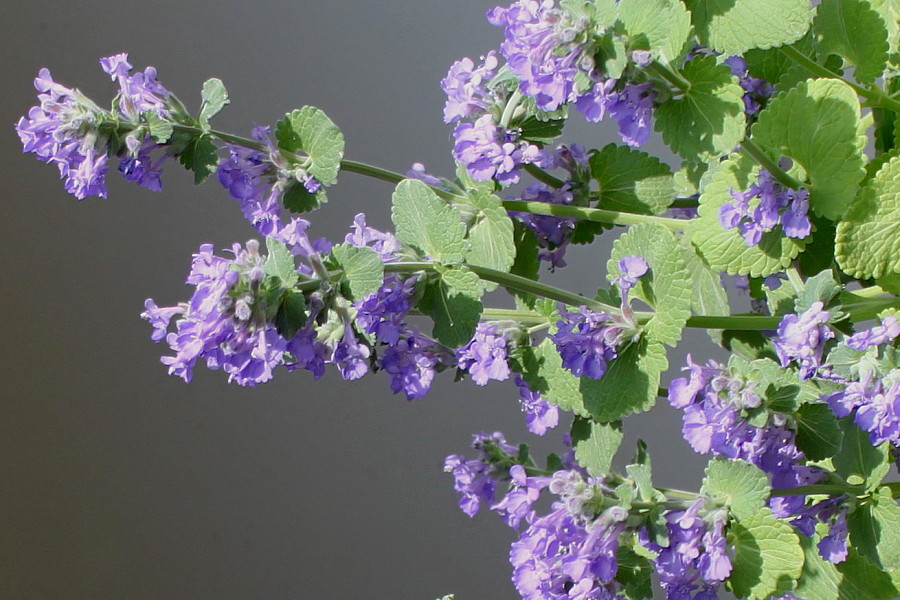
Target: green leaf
{"type": "Point", "coordinates": [297, 199]}
{"type": "Point", "coordinates": [214, 98]}
{"type": "Point", "coordinates": [817, 124]}
{"type": "Point", "coordinates": [740, 486]}
{"type": "Point", "coordinates": [309, 130]}
{"type": "Point", "coordinates": [541, 132]}
{"type": "Point", "coordinates": [890, 283]}
{"type": "Point", "coordinates": [491, 241]}
{"type": "Point", "coordinates": [596, 444]}
{"type": "Point", "coordinates": [362, 267]}
{"type": "Point", "coordinates": [726, 250]}
{"type": "Point", "coordinates": [634, 574]}
{"type": "Point", "coordinates": [708, 120]}
{"type": "Point", "coordinates": [542, 369]}
{"type": "Point", "coordinates": [818, 254]}
{"type": "Point", "coordinates": [454, 304]}
{"type": "Point", "coordinates": [660, 26]}
{"type": "Point", "coordinates": [875, 529]}
{"type": "Point", "coordinates": [631, 180]}
{"type": "Point", "coordinates": [820, 288]}
{"type": "Point", "coordinates": [641, 475]}
{"type": "Point", "coordinates": [200, 157]}
{"type": "Point", "coordinates": [868, 238]}
{"type": "Point", "coordinates": [160, 129]}
{"type": "Point", "coordinates": [855, 31]}
{"type": "Point", "coordinates": [854, 579]}
{"type": "Point", "coordinates": [629, 385]}
{"type": "Point", "coordinates": [667, 285]}
{"type": "Point", "coordinates": [858, 461]}
{"type": "Point", "coordinates": [767, 556]}
{"type": "Point", "coordinates": [708, 295]}
{"type": "Point", "coordinates": [818, 434]}
{"type": "Point", "coordinates": [280, 263]}
{"type": "Point", "coordinates": [427, 223]}
{"type": "Point", "coordinates": [735, 26]}
{"type": "Point", "coordinates": [291, 315]}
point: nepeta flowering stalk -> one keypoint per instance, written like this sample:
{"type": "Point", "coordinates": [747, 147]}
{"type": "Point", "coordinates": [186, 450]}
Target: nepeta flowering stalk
{"type": "Point", "coordinates": [776, 205]}
{"type": "Point", "coordinates": [70, 131]}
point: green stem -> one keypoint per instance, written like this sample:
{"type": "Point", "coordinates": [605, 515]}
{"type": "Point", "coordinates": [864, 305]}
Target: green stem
{"type": "Point", "coordinates": [820, 490]}
{"type": "Point", "coordinates": [741, 322]}
{"type": "Point", "coordinates": [506, 314]}
{"type": "Point", "coordinates": [543, 176]}
{"type": "Point", "coordinates": [359, 168]}
{"type": "Point", "coordinates": [679, 82]}
{"type": "Point", "coordinates": [678, 493]}
{"type": "Point", "coordinates": [795, 279]}
{"type": "Point", "coordinates": [511, 104]}
{"type": "Point", "coordinates": [757, 154]}
{"type": "Point", "coordinates": [875, 96]}
{"type": "Point", "coordinates": [873, 291]}
{"type": "Point", "coordinates": [600, 215]}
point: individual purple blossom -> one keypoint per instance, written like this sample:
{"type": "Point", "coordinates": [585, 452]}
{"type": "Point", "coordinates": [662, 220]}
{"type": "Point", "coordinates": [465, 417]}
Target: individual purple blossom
{"type": "Point", "coordinates": [466, 87]}
{"type": "Point", "coordinates": [350, 355]}
{"type": "Point", "coordinates": [801, 339]}
{"type": "Point", "coordinates": [487, 151]}
{"type": "Point", "coordinates": [765, 205]}
{"type": "Point", "coordinates": [587, 341]}
{"type": "Point", "coordinates": [306, 351]}
{"type": "Point", "coordinates": [833, 547]}
{"type": "Point", "coordinates": [417, 171]}
{"type": "Point", "coordinates": [540, 415]}
{"type": "Point", "coordinates": [363, 236]}
{"type": "Point", "coordinates": [876, 401]}
{"type": "Point", "coordinates": [888, 331]}
{"type": "Point", "coordinates": [383, 312]}
{"type": "Point", "coordinates": [142, 169]}
{"type": "Point", "coordinates": [631, 268]}
{"type": "Point", "coordinates": [140, 92]}
{"type": "Point", "coordinates": [632, 110]}
{"type": "Point", "coordinates": [484, 357]}
{"type": "Point", "coordinates": [524, 491]}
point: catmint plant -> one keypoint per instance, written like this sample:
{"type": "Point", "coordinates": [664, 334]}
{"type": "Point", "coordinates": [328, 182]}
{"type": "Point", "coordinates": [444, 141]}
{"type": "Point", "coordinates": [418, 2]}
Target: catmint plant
{"type": "Point", "coordinates": [785, 125]}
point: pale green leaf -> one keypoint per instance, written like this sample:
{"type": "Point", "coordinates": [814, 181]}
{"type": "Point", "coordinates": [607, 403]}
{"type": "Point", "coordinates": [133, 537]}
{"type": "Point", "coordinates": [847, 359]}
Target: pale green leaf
{"type": "Point", "coordinates": [708, 119]}
{"type": "Point", "coordinates": [491, 242]}
{"type": "Point", "coordinates": [661, 26]}
{"type": "Point", "coordinates": [735, 26]}
{"type": "Point", "coordinates": [596, 444]}
{"type": "Point", "coordinates": [859, 462]}
{"type": "Point", "coordinates": [854, 579]}
{"type": "Point", "coordinates": [454, 304]}
{"type": "Point", "coordinates": [310, 131]}
{"type": "Point", "coordinates": [631, 180]}
{"type": "Point", "coordinates": [855, 31]}
{"type": "Point", "coordinates": [427, 223]}
{"type": "Point", "coordinates": [543, 371]}
{"type": "Point", "coordinates": [817, 124]}
{"type": "Point", "coordinates": [362, 267]}
{"type": "Point", "coordinates": [666, 287]}
{"type": "Point", "coordinates": [214, 98]}
{"type": "Point", "coordinates": [740, 486]}
{"type": "Point", "coordinates": [868, 238]}
{"type": "Point", "coordinates": [708, 295]}
{"type": "Point", "coordinates": [629, 385]}
{"type": "Point", "coordinates": [875, 529]}
{"type": "Point", "coordinates": [280, 263]}
{"type": "Point", "coordinates": [767, 559]}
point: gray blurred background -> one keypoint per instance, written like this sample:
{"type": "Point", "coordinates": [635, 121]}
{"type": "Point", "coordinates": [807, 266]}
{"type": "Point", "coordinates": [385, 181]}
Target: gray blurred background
{"type": "Point", "coordinates": [120, 482]}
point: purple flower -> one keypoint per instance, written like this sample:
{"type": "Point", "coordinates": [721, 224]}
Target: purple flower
{"type": "Point", "coordinates": [489, 152]}
{"type": "Point", "coordinates": [484, 357]}
{"type": "Point", "coordinates": [466, 88]}
{"type": "Point", "coordinates": [888, 331]}
{"type": "Point", "coordinates": [411, 364]}
{"type": "Point", "coordinates": [633, 110]}
{"type": "Point", "coordinates": [385, 244]}
{"type": "Point", "coordinates": [833, 547]}
{"type": "Point", "coordinates": [140, 92]}
{"type": "Point", "coordinates": [756, 90]}
{"type": "Point", "coordinates": [475, 480]}
{"type": "Point", "coordinates": [540, 415]}
{"type": "Point", "coordinates": [553, 233]}
{"type": "Point", "coordinates": [801, 339]}
{"type": "Point", "coordinates": [224, 322]}
{"type": "Point", "coordinates": [587, 341]}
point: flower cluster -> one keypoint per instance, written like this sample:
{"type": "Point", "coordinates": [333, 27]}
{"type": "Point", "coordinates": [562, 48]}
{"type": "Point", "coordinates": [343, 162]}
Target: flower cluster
{"type": "Point", "coordinates": [765, 205]}
{"type": "Point", "coordinates": [873, 395]}
{"type": "Point", "coordinates": [66, 129]}
{"type": "Point", "coordinates": [588, 340]}
{"type": "Point", "coordinates": [716, 402]}
{"type": "Point", "coordinates": [801, 339]}
{"type": "Point", "coordinates": [552, 50]}
{"type": "Point", "coordinates": [259, 180]}
{"type": "Point", "coordinates": [476, 480]}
